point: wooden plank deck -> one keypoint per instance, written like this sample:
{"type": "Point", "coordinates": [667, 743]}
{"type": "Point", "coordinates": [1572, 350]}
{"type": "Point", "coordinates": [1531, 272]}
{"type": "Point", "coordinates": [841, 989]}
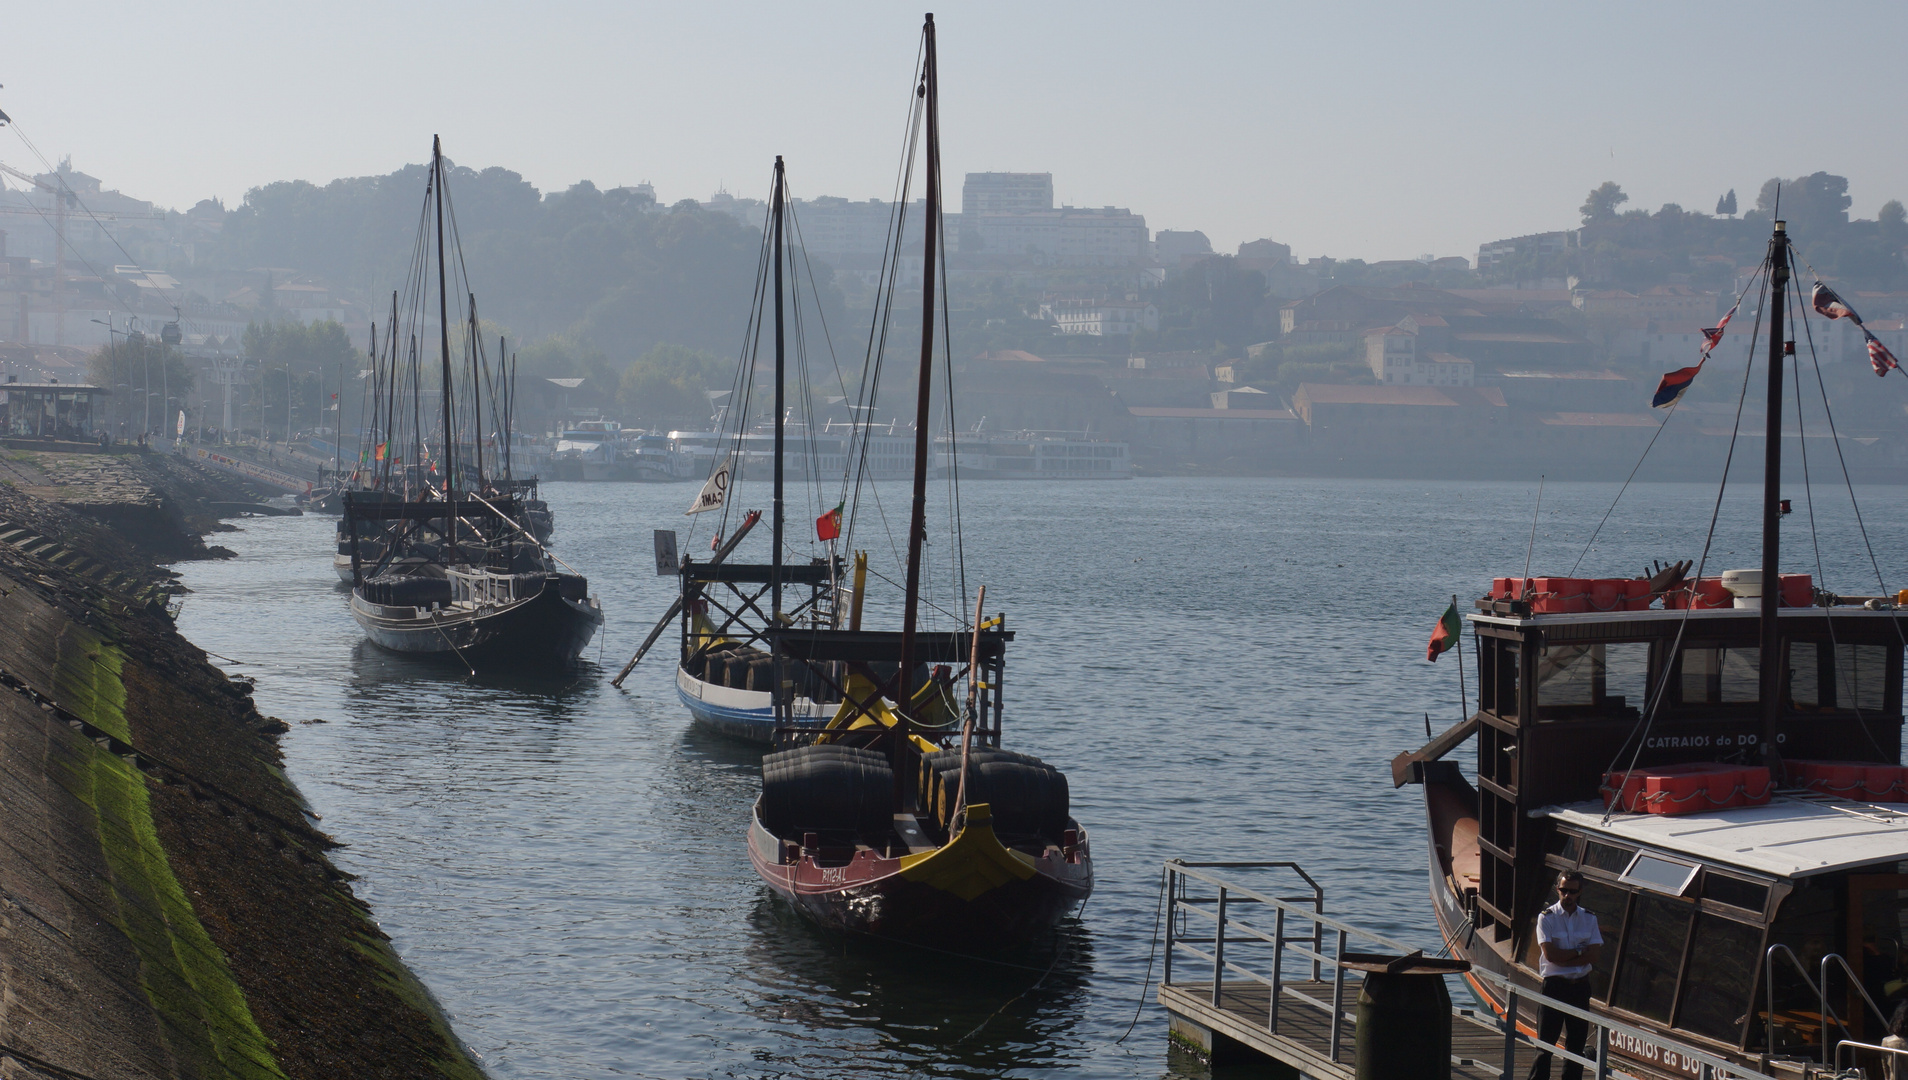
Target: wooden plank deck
{"type": "Point", "coordinates": [1303, 1040]}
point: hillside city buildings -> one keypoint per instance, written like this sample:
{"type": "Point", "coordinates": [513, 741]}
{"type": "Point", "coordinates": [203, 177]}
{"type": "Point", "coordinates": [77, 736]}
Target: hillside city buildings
{"type": "Point", "coordinates": [1447, 365]}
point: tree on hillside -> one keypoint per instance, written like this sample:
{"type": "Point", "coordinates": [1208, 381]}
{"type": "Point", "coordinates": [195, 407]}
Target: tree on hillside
{"type": "Point", "coordinates": [1770, 196]}
{"type": "Point", "coordinates": [1213, 303]}
{"type": "Point", "coordinates": [1726, 206]}
{"type": "Point", "coordinates": [606, 266]}
{"type": "Point", "coordinates": [300, 359]}
{"type": "Point", "coordinates": [1894, 223]}
{"type": "Point", "coordinates": [134, 367]}
{"type": "Point", "coordinates": [1602, 202]}
{"type": "Point", "coordinates": [670, 384]}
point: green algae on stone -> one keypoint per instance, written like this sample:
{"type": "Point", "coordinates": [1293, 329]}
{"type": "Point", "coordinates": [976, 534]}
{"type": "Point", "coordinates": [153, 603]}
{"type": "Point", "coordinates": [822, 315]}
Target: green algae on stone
{"type": "Point", "coordinates": [185, 977]}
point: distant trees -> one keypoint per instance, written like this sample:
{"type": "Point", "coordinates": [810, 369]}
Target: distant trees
{"type": "Point", "coordinates": [1726, 206]}
{"type": "Point", "coordinates": [603, 267]}
{"type": "Point", "coordinates": [670, 384]}
{"type": "Point", "coordinates": [134, 366]}
{"type": "Point", "coordinates": [1212, 303]}
{"type": "Point", "coordinates": [302, 360]}
{"type": "Point", "coordinates": [1602, 203]}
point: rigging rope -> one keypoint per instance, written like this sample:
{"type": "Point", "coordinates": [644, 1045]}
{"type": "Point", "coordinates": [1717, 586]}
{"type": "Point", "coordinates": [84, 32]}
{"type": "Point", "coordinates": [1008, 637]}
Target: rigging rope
{"type": "Point", "coordinates": [1641, 732]}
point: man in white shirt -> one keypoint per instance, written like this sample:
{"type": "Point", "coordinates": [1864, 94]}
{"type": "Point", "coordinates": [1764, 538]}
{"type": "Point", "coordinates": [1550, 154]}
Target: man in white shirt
{"type": "Point", "coordinates": [1568, 940]}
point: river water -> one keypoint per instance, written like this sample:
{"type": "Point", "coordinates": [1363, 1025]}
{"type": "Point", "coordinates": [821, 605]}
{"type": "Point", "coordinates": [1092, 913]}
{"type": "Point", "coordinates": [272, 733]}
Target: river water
{"type": "Point", "coordinates": [1224, 667]}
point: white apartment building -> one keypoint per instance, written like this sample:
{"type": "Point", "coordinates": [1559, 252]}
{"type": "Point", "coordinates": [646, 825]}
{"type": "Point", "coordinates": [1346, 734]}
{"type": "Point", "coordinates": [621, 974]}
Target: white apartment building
{"type": "Point", "coordinates": [1101, 318]}
{"type": "Point", "coordinates": [1395, 360]}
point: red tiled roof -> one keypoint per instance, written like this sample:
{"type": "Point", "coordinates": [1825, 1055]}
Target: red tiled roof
{"type": "Point", "coordinates": [1211, 414]}
{"type": "Point", "coordinates": [1588, 419]}
{"type": "Point", "coordinates": [1440, 396]}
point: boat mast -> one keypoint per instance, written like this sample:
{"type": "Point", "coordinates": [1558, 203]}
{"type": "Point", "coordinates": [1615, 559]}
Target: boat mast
{"type": "Point", "coordinates": [443, 330]}
{"type": "Point", "coordinates": [1770, 670]}
{"type": "Point", "coordinates": [476, 395]}
{"type": "Point", "coordinates": [917, 518]}
{"type": "Point", "coordinates": [779, 200]}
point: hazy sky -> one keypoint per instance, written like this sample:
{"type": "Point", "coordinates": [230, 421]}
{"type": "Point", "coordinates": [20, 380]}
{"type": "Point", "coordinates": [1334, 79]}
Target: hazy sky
{"type": "Point", "coordinates": [1375, 130]}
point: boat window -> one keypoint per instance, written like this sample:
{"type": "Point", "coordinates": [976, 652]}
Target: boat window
{"type": "Point", "coordinates": [1607, 858]}
{"type": "Point", "coordinates": [1861, 676]}
{"type": "Point", "coordinates": [1607, 903]}
{"type": "Point", "coordinates": [1564, 845]}
{"type": "Point", "coordinates": [1626, 674]}
{"type": "Point", "coordinates": [1568, 674]}
{"type": "Point", "coordinates": [1506, 682]}
{"type": "Point", "coordinates": [1722, 974]}
{"type": "Point", "coordinates": [1720, 676]}
{"type": "Point", "coordinates": [1808, 923]}
{"type": "Point", "coordinates": [1723, 889]}
{"type": "Point", "coordinates": [1606, 675]}
{"type": "Point", "coordinates": [1652, 956]}
{"type": "Point", "coordinates": [1858, 678]}
{"type": "Point", "coordinates": [1659, 874]}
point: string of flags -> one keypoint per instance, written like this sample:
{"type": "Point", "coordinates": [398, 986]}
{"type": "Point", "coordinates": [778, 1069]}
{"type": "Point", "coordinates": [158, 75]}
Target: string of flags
{"type": "Point", "coordinates": [1676, 383]}
{"type": "Point", "coordinates": [1825, 301]}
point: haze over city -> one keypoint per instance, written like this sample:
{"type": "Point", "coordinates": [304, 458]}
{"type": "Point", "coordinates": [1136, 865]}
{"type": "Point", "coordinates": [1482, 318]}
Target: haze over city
{"type": "Point", "coordinates": [1375, 130]}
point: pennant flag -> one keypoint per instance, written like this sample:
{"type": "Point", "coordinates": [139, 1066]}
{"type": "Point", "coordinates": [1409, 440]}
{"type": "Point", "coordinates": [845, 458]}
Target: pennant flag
{"type": "Point", "coordinates": [378, 454]}
{"type": "Point", "coordinates": [1674, 386]}
{"type": "Point", "coordinates": [715, 491]}
{"type": "Point", "coordinates": [1824, 300]}
{"type": "Point", "coordinates": [828, 526]}
{"type": "Point", "coordinates": [1714, 335]}
{"type": "Point", "coordinates": [1444, 638]}
{"type": "Point", "coordinates": [1879, 357]}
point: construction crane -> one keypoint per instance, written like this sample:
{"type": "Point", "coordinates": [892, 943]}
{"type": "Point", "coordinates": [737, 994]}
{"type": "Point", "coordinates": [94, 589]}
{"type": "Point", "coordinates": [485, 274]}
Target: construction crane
{"type": "Point", "coordinates": [63, 196]}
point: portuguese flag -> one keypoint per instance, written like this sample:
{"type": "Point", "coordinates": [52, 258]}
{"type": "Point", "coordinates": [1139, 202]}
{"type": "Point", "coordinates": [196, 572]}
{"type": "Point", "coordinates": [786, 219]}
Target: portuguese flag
{"type": "Point", "coordinates": [1446, 635]}
{"type": "Point", "coordinates": [828, 526]}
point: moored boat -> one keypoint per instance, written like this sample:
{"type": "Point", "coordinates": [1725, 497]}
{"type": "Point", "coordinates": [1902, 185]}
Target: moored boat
{"type": "Point", "coordinates": [902, 816]}
{"type": "Point", "coordinates": [1724, 771]}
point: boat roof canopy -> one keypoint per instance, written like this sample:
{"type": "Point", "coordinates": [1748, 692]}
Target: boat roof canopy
{"type": "Point", "coordinates": [1788, 837]}
{"type": "Point", "coordinates": [1617, 619]}
{"type": "Point", "coordinates": [876, 646]}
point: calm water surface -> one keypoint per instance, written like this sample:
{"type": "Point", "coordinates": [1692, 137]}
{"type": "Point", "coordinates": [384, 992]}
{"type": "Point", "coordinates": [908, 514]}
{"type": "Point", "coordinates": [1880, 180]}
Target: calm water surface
{"type": "Point", "coordinates": [1224, 668]}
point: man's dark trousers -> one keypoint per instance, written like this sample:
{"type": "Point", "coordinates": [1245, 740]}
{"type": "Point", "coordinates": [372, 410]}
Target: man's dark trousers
{"type": "Point", "coordinates": [1574, 1030]}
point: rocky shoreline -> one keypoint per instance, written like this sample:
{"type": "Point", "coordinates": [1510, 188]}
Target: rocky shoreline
{"type": "Point", "coordinates": [167, 906]}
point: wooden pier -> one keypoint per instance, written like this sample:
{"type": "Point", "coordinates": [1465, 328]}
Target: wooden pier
{"type": "Point", "coordinates": [1296, 1005]}
{"type": "Point", "coordinates": [1236, 1029]}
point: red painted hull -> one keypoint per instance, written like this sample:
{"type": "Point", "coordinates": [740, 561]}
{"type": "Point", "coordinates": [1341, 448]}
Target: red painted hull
{"type": "Point", "coordinates": [880, 896]}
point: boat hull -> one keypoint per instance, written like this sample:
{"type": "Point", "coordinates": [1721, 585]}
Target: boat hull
{"type": "Point", "coordinates": [744, 715]}
{"type": "Point", "coordinates": [1450, 812]}
{"type": "Point", "coordinates": [542, 629]}
{"type": "Point", "coordinates": [972, 895]}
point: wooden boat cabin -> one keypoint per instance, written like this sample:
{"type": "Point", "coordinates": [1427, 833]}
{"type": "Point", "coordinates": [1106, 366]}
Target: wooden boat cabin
{"type": "Point", "coordinates": [1701, 854]}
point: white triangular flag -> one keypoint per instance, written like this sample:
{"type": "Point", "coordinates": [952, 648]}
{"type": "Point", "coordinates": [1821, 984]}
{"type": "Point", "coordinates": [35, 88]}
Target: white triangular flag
{"type": "Point", "coordinates": [716, 490]}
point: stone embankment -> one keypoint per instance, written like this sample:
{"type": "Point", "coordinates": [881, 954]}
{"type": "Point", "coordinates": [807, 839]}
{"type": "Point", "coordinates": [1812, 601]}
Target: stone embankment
{"type": "Point", "coordinates": [167, 906]}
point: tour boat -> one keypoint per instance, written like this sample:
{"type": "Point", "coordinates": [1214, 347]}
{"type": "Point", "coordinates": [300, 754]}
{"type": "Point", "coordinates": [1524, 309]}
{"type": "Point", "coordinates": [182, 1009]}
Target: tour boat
{"type": "Point", "coordinates": [1720, 757]}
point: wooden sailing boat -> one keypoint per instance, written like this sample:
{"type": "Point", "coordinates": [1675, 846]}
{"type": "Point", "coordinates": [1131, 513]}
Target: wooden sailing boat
{"type": "Point", "coordinates": [456, 572]}
{"type": "Point", "coordinates": [900, 815]}
{"type": "Point", "coordinates": [1725, 771]}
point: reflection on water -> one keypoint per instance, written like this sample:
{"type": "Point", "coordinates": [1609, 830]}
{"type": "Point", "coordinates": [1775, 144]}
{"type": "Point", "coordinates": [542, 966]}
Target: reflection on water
{"type": "Point", "coordinates": [1223, 668]}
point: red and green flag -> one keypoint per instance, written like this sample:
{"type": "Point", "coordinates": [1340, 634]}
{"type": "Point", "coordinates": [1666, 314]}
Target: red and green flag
{"type": "Point", "coordinates": [1445, 636]}
{"type": "Point", "coordinates": [828, 526]}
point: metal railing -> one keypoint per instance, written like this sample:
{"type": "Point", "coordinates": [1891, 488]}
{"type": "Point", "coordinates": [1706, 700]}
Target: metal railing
{"type": "Point", "coordinates": [1893, 1057]}
{"type": "Point", "coordinates": [1820, 987]}
{"type": "Point", "coordinates": [1222, 898]}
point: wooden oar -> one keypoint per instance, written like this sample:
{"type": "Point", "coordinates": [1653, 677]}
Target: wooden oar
{"type": "Point", "coordinates": [675, 608]}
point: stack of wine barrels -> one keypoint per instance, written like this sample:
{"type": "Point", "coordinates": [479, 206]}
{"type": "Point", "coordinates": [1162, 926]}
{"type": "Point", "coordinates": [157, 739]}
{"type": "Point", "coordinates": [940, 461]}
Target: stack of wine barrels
{"type": "Point", "coordinates": [840, 793]}
{"type": "Point", "coordinates": [407, 590]}
{"type": "Point", "coordinates": [1028, 797]}
{"type": "Point", "coordinates": [730, 667]}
